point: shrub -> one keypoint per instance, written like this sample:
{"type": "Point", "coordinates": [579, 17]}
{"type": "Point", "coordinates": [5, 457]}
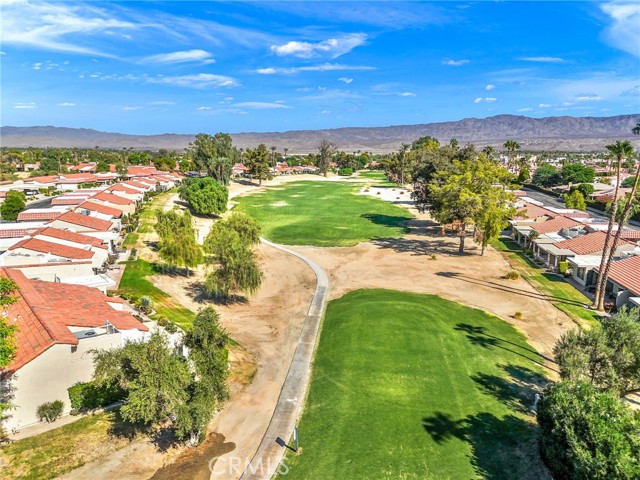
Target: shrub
{"type": "Point", "coordinates": [92, 395]}
{"type": "Point", "coordinates": [145, 304]}
{"type": "Point", "coordinates": [50, 411]}
{"type": "Point", "coordinates": [345, 171]}
{"type": "Point", "coordinates": [512, 275]}
{"type": "Point", "coordinates": [518, 315]}
{"type": "Point", "coordinates": [434, 257]}
{"type": "Point", "coordinates": [529, 252]}
{"type": "Point", "coordinates": [563, 267]}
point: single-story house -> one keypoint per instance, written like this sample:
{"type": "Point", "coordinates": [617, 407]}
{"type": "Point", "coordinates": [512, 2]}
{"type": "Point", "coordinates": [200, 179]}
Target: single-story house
{"type": "Point", "coordinates": [77, 222]}
{"type": "Point", "coordinates": [123, 204]}
{"type": "Point", "coordinates": [58, 327]}
{"type": "Point", "coordinates": [623, 282]}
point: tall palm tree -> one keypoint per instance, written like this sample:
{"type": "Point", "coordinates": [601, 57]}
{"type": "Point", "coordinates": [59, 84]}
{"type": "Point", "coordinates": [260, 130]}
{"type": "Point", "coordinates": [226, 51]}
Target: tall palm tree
{"type": "Point", "coordinates": [273, 155]}
{"type": "Point", "coordinates": [285, 153]}
{"type": "Point", "coordinates": [620, 150]}
{"type": "Point", "coordinates": [636, 129]}
{"type": "Point", "coordinates": [511, 146]}
{"type": "Point", "coordinates": [489, 152]}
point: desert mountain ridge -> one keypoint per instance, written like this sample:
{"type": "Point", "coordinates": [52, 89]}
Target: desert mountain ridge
{"type": "Point", "coordinates": [548, 133]}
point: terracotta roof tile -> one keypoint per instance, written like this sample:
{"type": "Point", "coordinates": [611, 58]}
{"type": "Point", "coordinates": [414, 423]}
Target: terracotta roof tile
{"type": "Point", "coordinates": [57, 249]}
{"type": "Point", "coordinates": [626, 273]}
{"type": "Point", "coordinates": [98, 207]}
{"type": "Point", "coordinates": [86, 221]}
{"type": "Point", "coordinates": [69, 236]}
{"type": "Point", "coordinates": [110, 198]}
{"type": "Point", "coordinates": [45, 310]}
{"type": "Point", "coordinates": [30, 216]}
{"type": "Point", "coordinates": [123, 188]}
{"type": "Point", "coordinates": [532, 211]}
{"type": "Point", "coordinates": [555, 224]}
{"type": "Point", "coordinates": [73, 200]}
{"type": "Point", "coordinates": [585, 244]}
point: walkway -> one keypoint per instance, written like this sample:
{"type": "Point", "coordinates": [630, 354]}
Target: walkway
{"type": "Point", "coordinates": [264, 463]}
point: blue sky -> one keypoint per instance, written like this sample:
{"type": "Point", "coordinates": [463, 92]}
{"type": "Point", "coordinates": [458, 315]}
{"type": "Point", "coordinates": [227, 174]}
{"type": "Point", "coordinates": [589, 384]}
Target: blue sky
{"type": "Point", "coordinates": [188, 67]}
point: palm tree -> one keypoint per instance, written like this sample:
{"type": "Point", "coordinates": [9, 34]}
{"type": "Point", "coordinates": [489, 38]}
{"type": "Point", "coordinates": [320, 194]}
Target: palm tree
{"type": "Point", "coordinates": [636, 129]}
{"type": "Point", "coordinates": [273, 154]}
{"type": "Point", "coordinates": [285, 153]}
{"type": "Point", "coordinates": [511, 146]}
{"type": "Point", "coordinates": [489, 152]}
{"type": "Point", "coordinates": [620, 150]}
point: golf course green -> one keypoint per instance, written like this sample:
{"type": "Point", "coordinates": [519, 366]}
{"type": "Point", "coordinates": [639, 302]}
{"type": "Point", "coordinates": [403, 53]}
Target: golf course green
{"type": "Point", "coordinates": [411, 386]}
{"type": "Point", "coordinates": [324, 214]}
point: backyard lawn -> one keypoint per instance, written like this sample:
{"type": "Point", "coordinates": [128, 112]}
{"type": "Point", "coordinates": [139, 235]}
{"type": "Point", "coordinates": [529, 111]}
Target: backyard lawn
{"type": "Point", "coordinates": [324, 214]}
{"type": "Point", "coordinates": [411, 386]}
{"type": "Point", "coordinates": [562, 294]}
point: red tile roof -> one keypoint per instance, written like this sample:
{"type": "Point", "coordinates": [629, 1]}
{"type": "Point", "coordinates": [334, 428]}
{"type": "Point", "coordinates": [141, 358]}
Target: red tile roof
{"type": "Point", "coordinates": [626, 273]}
{"type": "Point", "coordinates": [135, 183]}
{"type": "Point", "coordinates": [30, 216]}
{"type": "Point", "coordinates": [80, 166]}
{"type": "Point", "coordinates": [45, 310]}
{"type": "Point", "coordinates": [123, 188]}
{"type": "Point", "coordinates": [69, 236]}
{"type": "Point", "coordinates": [74, 200]}
{"type": "Point", "coordinates": [531, 211]}
{"type": "Point", "coordinates": [110, 198]}
{"type": "Point", "coordinates": [142, 171]}
{"type": "Point", "coordinates": [86, 221]}
{"type": "Point", "coordinates": [43, 179]}
{"type": "Point", "coordinates": [57, 249]}
{"type": "Point", "coordinates": [98, 207]}
{"type": "Point", "coordinates": [585, 244]}
{"type": "Point", "coordinates": [630, 234]}
{"type": "Point", "coordinates": [555, 225]}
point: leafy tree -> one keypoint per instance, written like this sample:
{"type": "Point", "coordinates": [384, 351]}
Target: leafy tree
{"type": "Point", "coordinates": [193, 416]}
{"type": "Point", "coordinates": [575, 200]}
{"type": "Point", "coordinates": [497, 209]}
{"type": "Point", "coordinates": [13, 204]}
{"type": "Point", "coordinates": [51, 166]}
{"type": "Point", "coordinates": [489, 152]}
{"type": "Point", "coordinates": [50, 411]}
{"type": "Point", "coordinates": [426, 142]}
{"type": "Point", "coordinates": [206, 196]}
{"type": "Point", "coordinates": [214, 155]}
{"type": "Point", "coordinates": [546, 175]}
{"type": "Point", "coordinates": [608, 356]}
{"type": "Point", "coordinates": [246, 227]}
{"type": "Point", "coordinates": [153, 375]}
{"type": "Point", "coordinates": [8, 289]}
{"type": "Point", "coordinates": [628, 182]}
{"type": "Point", "coordinates": [588, 435]}
{"type": "Point", "coordinates": [102, 167]}
{"type": "Point", "coordinates": [257, 160]}
{"type": "Point", "coordinates": [325, 153]}
{"type": "Point", "coordinates": [428, 160]}
{"type": "Point", "coordinates": [524, 174]}
{"type": "Point", "coordinates": [178, 245]}
{"type": "Point", "coordinates": [165, 164]}
{"type": "Point", "coordinates": [585, 189]}
{"type": "Point", "coordinates": [237, 269]}
{"type": "Point", "coordinates": [577, 173]}
{"type": "Point", "coordinates": [621, 150]}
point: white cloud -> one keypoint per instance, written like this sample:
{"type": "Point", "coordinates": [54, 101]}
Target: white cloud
{"type": "Point", "coordinates": [490, 87]}
{"type": "Point", "coordinates": [588, 97]}
{"type": "Point", "coordinates": [542, 59]}
{"type": "Point", "coordinates": [261, 105]}
{"type": "Point", "coordinates": [201, 56]}
{"type": "Point", "coordinates": [332, 48]}
{"type": "Point", "coordinates": [67, 104]}
{"type": "Point", "coordinates": [325, 67]}
{"type": "Point", "coordinates": [325, 112]}
{"type": "Point", "coordinates": [199, 80]}
{"type": "Point", "coordinates": [203, 108]}
{"type": "Point", "coordinates": [37, 66]}
{"type": "Point", "coordinates": [485, 100]}
{"type": "Point", "coordinates": [24, 105]}
{"type": "Point", "coordinates": [346, 80]}
{"type": "Point", "coordinates": [131, 108]}
{"type": "Point", "coordinates": [545, 105]}
{"type": "Point", "coordinates": [526, 109]}
{"type": "Point", "coordinates": [623, 31]}
{"type": "Point", "coordinates": [407, 94]}
{"type": "Point", "coordinates": [455, 63]}
{"type": "Point", "coordinates": [48, 26]}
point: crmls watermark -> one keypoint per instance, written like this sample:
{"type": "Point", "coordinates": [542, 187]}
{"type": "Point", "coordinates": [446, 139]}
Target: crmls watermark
{"type": "Point", "coordinates": [231, 465]}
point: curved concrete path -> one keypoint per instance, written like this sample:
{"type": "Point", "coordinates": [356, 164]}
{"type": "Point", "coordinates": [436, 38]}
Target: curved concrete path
{"type": "Point", "coordinates": [267, 458]}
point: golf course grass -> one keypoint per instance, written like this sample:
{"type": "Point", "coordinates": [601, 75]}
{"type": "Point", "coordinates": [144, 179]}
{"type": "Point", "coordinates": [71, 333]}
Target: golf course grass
{"type": "Point", "coordinates": [324, 214]}
{"type": "Point", "coordinates": [410, 386]}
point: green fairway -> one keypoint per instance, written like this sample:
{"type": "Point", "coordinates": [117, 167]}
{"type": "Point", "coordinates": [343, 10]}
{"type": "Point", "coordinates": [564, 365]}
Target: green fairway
{"type": "Point", "coordinates": [375, 175]}
{"type": "Point", "coordinates": [410, 386]}
{"type": "Point", "coordinates": [324, 214]}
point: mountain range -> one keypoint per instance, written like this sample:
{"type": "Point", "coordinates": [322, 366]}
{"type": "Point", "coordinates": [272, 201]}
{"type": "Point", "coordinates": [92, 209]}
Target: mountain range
{"type": "Point", "coordinates": [549, 133]}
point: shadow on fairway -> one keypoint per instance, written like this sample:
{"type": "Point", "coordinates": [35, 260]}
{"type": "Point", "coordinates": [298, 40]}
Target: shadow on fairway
{"type": "Point", "coordinates": [388, 220]}
{"type": "Point", "coordinates": [198, 292]}
{"type": "Point", "coordinates": [501, 448]}
{"type": "Point", "coordinates": [478, 336]}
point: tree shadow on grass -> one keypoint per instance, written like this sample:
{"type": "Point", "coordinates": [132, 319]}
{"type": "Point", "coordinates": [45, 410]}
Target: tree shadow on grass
{"type": "Point", "coordinates": [423, 247]}
{"type": "Point", "coordinates": [388, 220]}
{"type": "Point", "coordinates": [501, 448]}
{"type": "Point", "coordinates": [478, 336]}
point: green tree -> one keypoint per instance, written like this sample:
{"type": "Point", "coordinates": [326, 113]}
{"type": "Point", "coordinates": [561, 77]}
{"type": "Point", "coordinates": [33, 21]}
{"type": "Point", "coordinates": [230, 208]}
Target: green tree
{"type": "Point", "coordinates": [102, 166]}
{"type": "Point", "coordinates": [178, 246]}
{"type": "Point", "coordinates": [257, 160]}
{"type": "Point", "coordinates": [246, 227]}
{"type": "Point", "coordinates": [608, 356]}
{"type": "Point", "coordinates": [585, 189]}
{"type": "Point", "coordinates": [165, 164]}
{"type": "Point", "coordinates": [153, 375]}
{"type": "Point", "coordinates": [214, 155]}
{"type": "Point", "coordinates": [524, 174]}
{"type": "Point", "coordinates": [206, 196]}
{"type": "Point", "coordinates": [13, 204]}
{"type": "Point", "coordinates": [621, 150]}
{"type": "Point", "coordinates": [577, 173]}
{"type": "Point", "coordinates": [497, 209]}
{"type": "Point", "coordinates": [326, 150]}
{"type": "Point", "coordinates": [546, 175]}
{"type": "Point", "coordinates": [588, 435]}
{"type": "Point", "coordinates": [512, 147]}
{"type": "Point", "coordinates": [8, 290]}
{"type": "Point", "coordinates": [236, 266]}
{"type": "Point", "coordinates": [575, 199]}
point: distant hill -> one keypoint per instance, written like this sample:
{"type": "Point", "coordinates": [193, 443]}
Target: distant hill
{"type": "Point", "coordinates": [549, 133]}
